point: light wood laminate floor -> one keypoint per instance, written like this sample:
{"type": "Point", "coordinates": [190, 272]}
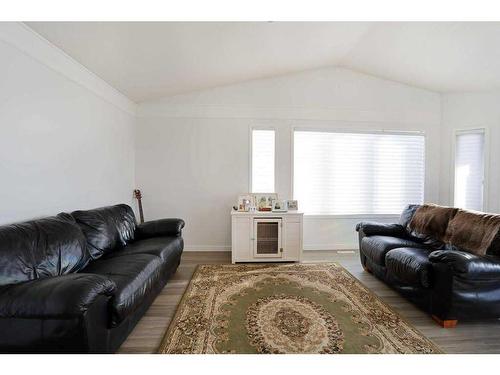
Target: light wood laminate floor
{"type": "Point", "coordinates": [467, 337]}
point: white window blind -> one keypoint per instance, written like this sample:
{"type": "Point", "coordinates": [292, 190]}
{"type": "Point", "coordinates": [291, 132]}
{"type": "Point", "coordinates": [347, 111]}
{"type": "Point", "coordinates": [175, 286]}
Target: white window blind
{"type": "Point", "coordinates": [263, 161]}
{"type": "Point", "coordinates": [357, 173]}
{"type": "Point", "coordinates": [469, 169]}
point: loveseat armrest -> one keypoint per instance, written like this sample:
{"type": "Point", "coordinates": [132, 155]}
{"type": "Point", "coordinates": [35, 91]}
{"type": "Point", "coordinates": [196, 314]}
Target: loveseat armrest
{"type": "Point", "coordinates": [162, 227]}
{"type": "Point", "coordinates": [467, 265]}
{"type": "Point", "coordinates": [370, 228]}
{"type": "Point", "coordinates": [60, 297]}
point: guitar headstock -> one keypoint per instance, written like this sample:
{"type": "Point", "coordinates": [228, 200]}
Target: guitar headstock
{"type": "Point", "coordinates": [137, 194]}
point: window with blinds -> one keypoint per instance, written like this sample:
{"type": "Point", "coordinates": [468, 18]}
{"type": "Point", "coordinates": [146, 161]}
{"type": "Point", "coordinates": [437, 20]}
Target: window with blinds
{"type": "Point", "coordinates": [263, 145]}
{"type": "Point", "coordinates": [357, 173]}
{"type": "Point", "coordinates": [469, 169]}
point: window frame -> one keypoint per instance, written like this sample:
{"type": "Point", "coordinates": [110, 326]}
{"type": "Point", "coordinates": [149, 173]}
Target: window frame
{"type": "Point", "coordinates": [293, 129]}
{"type": "Point", "coordinates": [250, 158]}
{"type": "Point", "coordinates": [486, 162]}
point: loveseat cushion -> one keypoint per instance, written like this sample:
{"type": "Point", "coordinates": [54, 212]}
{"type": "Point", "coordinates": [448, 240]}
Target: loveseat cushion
{"type": "Point", "coordinates": [165, 248]}
{"type": "Point", "coordinates": [41, 248]}
{"type": "Point", "coordinates": [410, 266]}
{"type": "Point", "coordinates": [135, 276]}
{"type": "Point", "coordinates": [376, 247]}
{"type": "Point", "coordinates": [106, 228]}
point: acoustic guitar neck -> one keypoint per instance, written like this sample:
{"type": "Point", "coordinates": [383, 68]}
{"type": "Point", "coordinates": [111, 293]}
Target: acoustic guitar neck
{"type": "Point", "coordinates": [138, 196]}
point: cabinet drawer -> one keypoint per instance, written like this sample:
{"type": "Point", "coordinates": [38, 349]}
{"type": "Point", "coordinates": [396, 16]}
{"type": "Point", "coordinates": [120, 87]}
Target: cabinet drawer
{"type": "Point", "coordinates": [293, 218]}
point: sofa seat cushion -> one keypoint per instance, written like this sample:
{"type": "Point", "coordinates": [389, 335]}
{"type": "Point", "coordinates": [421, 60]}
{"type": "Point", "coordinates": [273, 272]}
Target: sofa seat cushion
{"type": "Point", "coordinates": [135, 276]}
{"type": "Point", "coordinates": [166, 248]}
{"type": "Point", "coordinates": [376, 247]}
{"type": "Point", "coordinates": [410, 266]}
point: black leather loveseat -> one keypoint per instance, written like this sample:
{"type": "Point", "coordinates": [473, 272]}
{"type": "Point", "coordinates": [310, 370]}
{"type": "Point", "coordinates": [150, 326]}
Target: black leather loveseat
{"type": "Point", "coordinates": [80, 282]}
{"type": "Point", "coordinates": [446, 260]}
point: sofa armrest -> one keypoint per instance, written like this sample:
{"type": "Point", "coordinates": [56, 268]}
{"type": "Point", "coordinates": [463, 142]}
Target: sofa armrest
{"type": "Point", "coordinates": [370, 228]}
{"type": "Point", "coordinates": [60, 297]}
{"type": "Point", "coordinates": [162, 227]}
{"type": "Point", "coordinates": [467, 265]}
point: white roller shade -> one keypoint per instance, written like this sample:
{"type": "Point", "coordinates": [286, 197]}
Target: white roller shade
{"type": "Point", "coordinates": [469, 170]}
{"type": "Point", "coordinates": [263, 161]}
{"type": "Point", "coordinates": [357, 173]}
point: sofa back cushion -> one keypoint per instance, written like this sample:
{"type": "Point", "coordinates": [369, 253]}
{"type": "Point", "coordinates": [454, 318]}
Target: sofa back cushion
{"type": "Point", "coordinates": [430, 223]}
{"type": "Point", "coordinates": [407, 215]}
{"type": "Point", "coordinates": [475, 232]}
{"type": "Point", "coordinates": [42, 248]}
{"type": "Point", "coordinates": [106, 228]}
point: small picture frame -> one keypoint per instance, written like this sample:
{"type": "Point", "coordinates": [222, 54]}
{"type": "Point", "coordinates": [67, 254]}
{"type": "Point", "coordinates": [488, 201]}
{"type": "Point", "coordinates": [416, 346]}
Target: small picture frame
{"type": "Point", "coordinates": [293, 205]}
{"type": "Point", "coordinates": [280, 205]}
{"type": "Point", "coordinates": [245, 202]}
{"type": "Point", "coordinates": [264, 201]}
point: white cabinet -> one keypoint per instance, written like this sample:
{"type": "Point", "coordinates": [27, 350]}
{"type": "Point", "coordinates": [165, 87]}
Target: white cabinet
{"type": "Point", "coordinates": [266, 236]}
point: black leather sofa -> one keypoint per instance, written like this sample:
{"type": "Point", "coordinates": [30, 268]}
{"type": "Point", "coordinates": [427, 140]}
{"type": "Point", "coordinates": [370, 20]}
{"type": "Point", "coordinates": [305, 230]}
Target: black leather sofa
{"type": "Point", "coordinates": [449, 282]}
{"type": "Point", "coordinates": [80, 282]}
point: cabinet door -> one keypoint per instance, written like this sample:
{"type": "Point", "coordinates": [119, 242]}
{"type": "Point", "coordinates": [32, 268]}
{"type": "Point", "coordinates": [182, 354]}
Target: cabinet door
{"type": "Point", "coordinates": [267, 238]}
{"type": "Point", "coordinates": [241, 244]}
{"type": "Point", "coordinates": [293, 241]}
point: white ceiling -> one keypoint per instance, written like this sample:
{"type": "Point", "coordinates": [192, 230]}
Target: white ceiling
{"type": "Point", "coordinates": [151, 60]}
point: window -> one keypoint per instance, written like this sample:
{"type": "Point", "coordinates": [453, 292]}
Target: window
{"type": "Point", "coordinates": [469, 169]}
{"type": "Point", "coordinates": [263, 161]}
{"type": "Point", "coordinates": [357, 173]}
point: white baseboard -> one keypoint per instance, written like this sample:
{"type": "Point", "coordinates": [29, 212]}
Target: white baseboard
{"type": "Point", "coordinates": [346, 246]}
{"type": "Point", "coordinates": [336, 246]}
{"type": "Point", "coordinates": [207, 248]}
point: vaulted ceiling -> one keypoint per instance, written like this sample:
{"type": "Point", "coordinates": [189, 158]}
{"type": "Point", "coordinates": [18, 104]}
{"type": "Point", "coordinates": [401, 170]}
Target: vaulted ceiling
{"type": "Point", "coordinates": [148, 60]}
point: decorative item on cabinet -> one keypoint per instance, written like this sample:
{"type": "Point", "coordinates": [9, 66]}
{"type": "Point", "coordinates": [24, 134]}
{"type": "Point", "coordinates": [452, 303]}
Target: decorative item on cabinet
{"type": "Point", "coordinates": [279, 205]}
{"type": "Point", "coordinates": [293, 205]}
{"type": "Point", "coordinates": [264, 201]}
{"type": "Point", "coordinates": [245, 202]}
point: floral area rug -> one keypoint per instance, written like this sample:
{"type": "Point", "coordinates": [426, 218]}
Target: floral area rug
{"type": "Point", "coordinates": [286, 308]}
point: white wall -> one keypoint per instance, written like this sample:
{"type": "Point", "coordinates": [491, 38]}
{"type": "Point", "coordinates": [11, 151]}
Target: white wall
{"type": "Point", "coordinates": [67, 139]}
{"type": "Point", "coordinates": [469, 111]}
{"type": "Point", "coordinates": [63, 146]}
{"type": "Point", "coordinates": [193, 150]}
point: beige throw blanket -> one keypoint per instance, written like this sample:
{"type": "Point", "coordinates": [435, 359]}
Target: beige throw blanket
{"type": "Point", "coordinates": [432, 220]}
{"type": "Point", "coordinates": [473, 232]}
